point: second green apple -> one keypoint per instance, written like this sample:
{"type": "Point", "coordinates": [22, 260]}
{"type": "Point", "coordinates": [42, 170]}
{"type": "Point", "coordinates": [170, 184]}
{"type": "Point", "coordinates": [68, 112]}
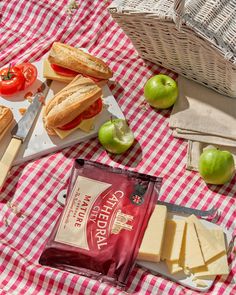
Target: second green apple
{"type": "Point", "coordinates": [116, 136]}
{"type": "Point", "coordinates": [161, 91]}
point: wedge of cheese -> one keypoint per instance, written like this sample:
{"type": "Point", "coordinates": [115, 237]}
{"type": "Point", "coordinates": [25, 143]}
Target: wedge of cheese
{"type": "Point", "coordinates": [174, 233]}
{"type": "Point", "coordinates": [86, 126]}
{"type": "Point", "coordinates": [210, 246]}
{"type": "Point", "coordinates": [191, 254]}
{"type": "Point", "coordinates": [151, 246]}
{"type": "Point", "coordinates": [48, 73]}
{"type": "Point", "coordinates": [217, 265]}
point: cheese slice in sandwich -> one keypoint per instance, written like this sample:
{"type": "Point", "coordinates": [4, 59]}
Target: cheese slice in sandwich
{"type": "Point", "coordinates": [49, 73]}
{"type": "Point", "coordinates": [85, 125]}
{"type": "Point", "coordinates": [68, 109]}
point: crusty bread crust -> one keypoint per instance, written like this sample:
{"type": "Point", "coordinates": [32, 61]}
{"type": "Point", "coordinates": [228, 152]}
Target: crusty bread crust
{"type": "Point", "coordinates": [70, 102]}
{"type": "Point", "coordinates": [77, 60]}
{"type": "Point", "coordinates": [6, 119]}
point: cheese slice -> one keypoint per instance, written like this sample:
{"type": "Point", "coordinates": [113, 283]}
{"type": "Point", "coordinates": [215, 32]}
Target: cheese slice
{"type": "Point", "coordinates": [191, 254]}
{"type": "Point", "coordinates": [173, 239]}
{"type": "Point", "coordinates": [209, 244]}
{"type": "Point", "coordinates": [86, 126]}
{"type": "Point", "coordinates": [49, 73]}
{"type": "Point", "coordinates": [217, 265]}
{"type": "Point", "coordinates": [173, 266]}
{"type": "Point", "coordinates": [150, 249]}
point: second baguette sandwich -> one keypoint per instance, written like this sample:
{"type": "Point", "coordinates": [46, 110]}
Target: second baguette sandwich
{"type": "Point", "coordinates": [79, 100]}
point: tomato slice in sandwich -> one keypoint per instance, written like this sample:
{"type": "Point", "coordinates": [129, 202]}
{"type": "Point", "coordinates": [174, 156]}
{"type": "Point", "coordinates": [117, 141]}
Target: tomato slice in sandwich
{"type": "Point", "coordinates": [73, 123]}
{"type": "Point", "coordinates": [63, 71]}
{"type": "Point", "coordinates": [69, 73]}
{"type": "Point", "coordinates": [92, 111]}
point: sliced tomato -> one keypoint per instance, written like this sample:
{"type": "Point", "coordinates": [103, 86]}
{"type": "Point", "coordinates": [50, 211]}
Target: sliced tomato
{"type": "Point", "coordinates": [92, 78]}
{"type": "Point", "coordinates": [30, 72]}
{"type": "Point", "coordinates": [72, 124]}
{"type": "Point", "coordinates": [11, 80]}
{"type": "Point", "coordinates": [69, 73]}
{"type": "Point", "coordinates": [93, 110]}
{"type": "Point", "coordinates": [63, 71]}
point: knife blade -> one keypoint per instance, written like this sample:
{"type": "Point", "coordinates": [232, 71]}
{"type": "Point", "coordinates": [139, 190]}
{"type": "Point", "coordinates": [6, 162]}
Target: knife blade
{"type": "Point", "coordinates": [186, 210]}
{"type": "Point", "coordinates": [21, 129]}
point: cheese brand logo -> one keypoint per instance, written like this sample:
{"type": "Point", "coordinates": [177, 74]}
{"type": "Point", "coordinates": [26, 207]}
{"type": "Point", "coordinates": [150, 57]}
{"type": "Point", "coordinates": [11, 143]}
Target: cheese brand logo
{"type": "Point", "coordinates": [103, 217]}
{"type": "Point", "coordinates": [92, 215]}
{"type": "Point", "coordinates": [121, 222]}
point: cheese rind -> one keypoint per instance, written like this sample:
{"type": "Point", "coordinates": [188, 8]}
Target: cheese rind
{"type": "Point", "coordinates": [217, 265]}
{"type": "Point", "coordinates": [151, 246]}
{"type": "Point", "coordinates": [174, 232]}
{"type": "Point", "coordinates": [191, 254]}
{"type": "Point", "coordinates": [209, 244]}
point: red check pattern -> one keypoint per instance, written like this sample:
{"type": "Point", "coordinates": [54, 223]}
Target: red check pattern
{"type": "Point", "coordinates": [28, 28]}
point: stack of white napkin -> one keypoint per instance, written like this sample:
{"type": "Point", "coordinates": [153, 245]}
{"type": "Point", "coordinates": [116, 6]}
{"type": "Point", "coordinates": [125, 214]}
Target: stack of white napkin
{"type": "Point", "coordinates": [203, 115]}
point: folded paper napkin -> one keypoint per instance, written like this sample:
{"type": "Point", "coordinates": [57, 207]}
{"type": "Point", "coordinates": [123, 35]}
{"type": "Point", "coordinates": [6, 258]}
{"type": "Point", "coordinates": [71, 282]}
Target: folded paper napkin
{"type": "Point", "coordinates": [196, 148]}
{"type": "Point", "coordinates": [201, 114]}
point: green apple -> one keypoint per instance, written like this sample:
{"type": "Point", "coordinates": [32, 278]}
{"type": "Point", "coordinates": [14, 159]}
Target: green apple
{"type": "Point", "coordinates": [216, 166]}
{"type": "Point", "coordinates": [161, 91]}
{"type": "Point", "coordinates": [116, 136]}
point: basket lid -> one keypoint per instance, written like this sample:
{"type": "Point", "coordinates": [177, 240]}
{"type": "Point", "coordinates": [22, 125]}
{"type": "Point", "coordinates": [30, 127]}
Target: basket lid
{"type": "Point", "coordinates": [214, 21]}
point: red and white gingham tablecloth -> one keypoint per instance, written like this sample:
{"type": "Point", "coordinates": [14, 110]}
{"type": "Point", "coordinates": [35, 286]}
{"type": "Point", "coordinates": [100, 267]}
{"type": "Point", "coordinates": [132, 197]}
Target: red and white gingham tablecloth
{"type": "Point", "coordinates": [28, 28]}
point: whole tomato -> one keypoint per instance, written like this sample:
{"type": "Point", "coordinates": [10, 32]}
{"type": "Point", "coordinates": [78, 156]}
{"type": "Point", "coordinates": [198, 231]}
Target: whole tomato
{"type": "Point", "coordinates": [17, 78]}
{"type": "Point", "coordinates": [11, 80]}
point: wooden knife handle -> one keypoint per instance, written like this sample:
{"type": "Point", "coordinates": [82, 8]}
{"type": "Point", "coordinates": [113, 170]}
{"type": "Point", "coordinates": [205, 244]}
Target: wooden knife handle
{"type": "Point", "coordinates": [8, 158]}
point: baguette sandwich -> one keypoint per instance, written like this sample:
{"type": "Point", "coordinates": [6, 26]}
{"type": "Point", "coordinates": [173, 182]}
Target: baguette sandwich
{"type": "Point", "coordinates": [65, 62]}
{"type": "Point", "coordinates": [6, 120]}
{"type": "Point", "coordinates": [75, 106]}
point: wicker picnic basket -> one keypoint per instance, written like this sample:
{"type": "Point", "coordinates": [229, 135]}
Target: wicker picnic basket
{"type": "Point", "coordinates": [195, 38]}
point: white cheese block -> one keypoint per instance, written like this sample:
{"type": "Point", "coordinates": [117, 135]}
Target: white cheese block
{"type": "Point", "coordinates": [173, 239]}
{"type": "Point", "coordinates": [209, 244]}
{"type": "Point", "coordinates": [49, 73]}
{"type": "Point", "coordinates": [217, 265]}
{"type": "Point", "coordinates": [150, 249]}
{"type": "Point", "coordinates": [86, 126]}
{"type": "Point", "coordinates": [191, 254]}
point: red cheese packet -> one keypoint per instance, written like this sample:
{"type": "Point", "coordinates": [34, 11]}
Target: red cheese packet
{"type": "Point", "coordinates": [102, 225]}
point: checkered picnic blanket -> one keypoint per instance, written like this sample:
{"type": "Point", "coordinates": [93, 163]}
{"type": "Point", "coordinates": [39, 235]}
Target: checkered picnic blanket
{"type": "Point", "coordinates": [30, 209]}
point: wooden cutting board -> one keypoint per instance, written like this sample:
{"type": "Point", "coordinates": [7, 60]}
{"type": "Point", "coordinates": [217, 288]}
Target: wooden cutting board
{"type": "Point", "coordinates": [38, 143]}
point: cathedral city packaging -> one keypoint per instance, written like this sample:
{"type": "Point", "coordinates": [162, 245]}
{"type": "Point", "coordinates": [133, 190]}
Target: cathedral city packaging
{"type": "Point", "coordinates": [102, 225]}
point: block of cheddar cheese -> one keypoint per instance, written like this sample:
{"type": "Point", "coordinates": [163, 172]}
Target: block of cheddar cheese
{"type": "Point", "coordinates": [173, 240]}
{"type": "Point", "coordinates": [151, 246]}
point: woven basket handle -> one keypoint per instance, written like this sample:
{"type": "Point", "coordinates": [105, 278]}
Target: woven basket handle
{"type": "Point", "coordinates": [178, 12]}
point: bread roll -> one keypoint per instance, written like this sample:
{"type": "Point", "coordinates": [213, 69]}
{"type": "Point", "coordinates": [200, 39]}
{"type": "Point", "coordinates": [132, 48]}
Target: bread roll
{"type": "Point", "coordinates": [77, 60]}
{"type": "Point", "coordinates": [70, 102]}
{"type": "Point", "coordinates": [6, 120]}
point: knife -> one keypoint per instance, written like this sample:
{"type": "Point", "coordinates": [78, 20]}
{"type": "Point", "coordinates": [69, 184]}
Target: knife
{"type": "Point", "coordinates": [186, 210]}
{"type": "Point", "coordinates": [21, 130]}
